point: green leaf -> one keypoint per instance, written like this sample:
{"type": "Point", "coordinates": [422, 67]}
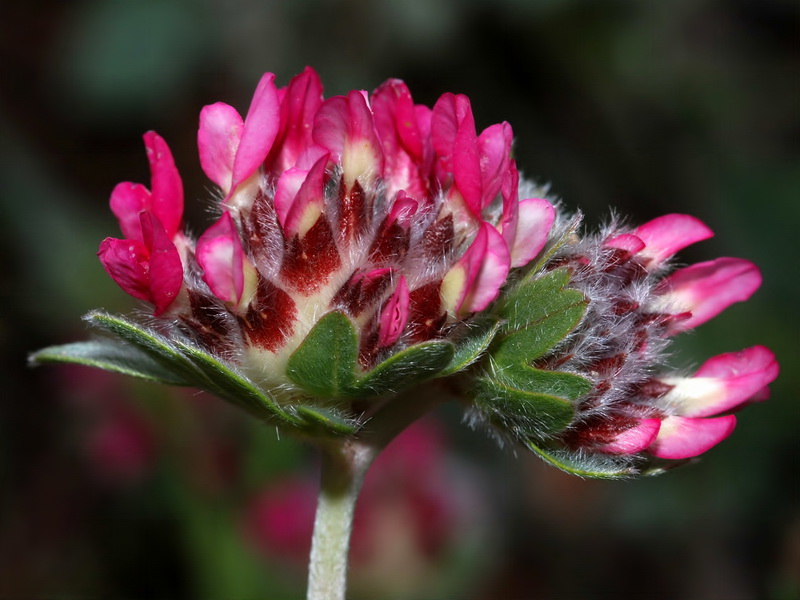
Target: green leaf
{"type": "Point", "coordinates": [224, 381]}
{"type": "Point", "coordinates": [538, 315]}
{"type": "Point", "coordinates": [324, 364]}
{"type": "Point", "coordinates": [109, 355]}
{"type": "Point", "coordinates": [523, 413]}
{"type": "Point", "coordinates": [472, 345]}
{"type": "Point", "coordinates": [406, 368]}
{"type": "Point", "coordinates": [595, 466]}
{"type": "Point", "coordinates": [534, 301]}
{"type": "Point", "coordinates": [153, 344]}
{"type": "Point", "coordinates": [551, 383]}
{"type": "Point", "coordinates": [326, 419]}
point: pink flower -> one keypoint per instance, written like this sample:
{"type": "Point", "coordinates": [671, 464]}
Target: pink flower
{"type": "Point", "coordinates": [630, 413]}
{"type": "Point", "coordinates": [319, 195]}
{"type": "Point", "coordinates": [147, 264]}
{"type": "Point", "coordinates": [365, 243]}
{"type": "Point", "coordinates": [722, 384]}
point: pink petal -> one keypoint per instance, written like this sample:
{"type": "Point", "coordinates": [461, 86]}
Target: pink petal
{"type": "Point", "coordinates": [535, 220]}
{"type": "Point", "coordinates": [402, 142]}
{"type": "Point", "coordinates": [344, 126]}
{"type": "Point", "coordinates": [448, 114]}
{"type": "Point", "coordinates": [494, 144]}
{"type": "Point", "coordinates": [127, 262]}
{"type": "Point", "coordinates": [218, 139]}
{"type": "Point", "coordinates": [396, 120]}
{"type": "Point", "coordinates": [635, 439]}
{"type": "Point", "coordinates": [403, 209]}
{"type": "Point", "coordinates": [394, 315]}
{"type": "Point", "coordinates": [260, 129]}
{"type": "Point", "coordinates": [309, 200]}
{"type": "Point", "coordinates": [128, 200]}
{"type": "Point", "coordinates": [476, 279]}
{"type": "Point", "coordinates": [666, 235]}
{"type": "Point", "coordinates": [286, 190]}
{"type": "Point", "coordinates": [683, 437]}
{"type": "Point", "coordinates": [166, 195]}
{"type": "Point", "coordinates": [219, 253]}
{"type": "Point", "coordinates": [466, 165]}
{"type": "Point", "coordinates": [708, 288]}
{"type": "Point", "coordinates": [166, 269]}
{"type": "Point", "coordinates": [627, 241]}
{"type": "Point", "coordinates": [311, 155]}
{"type": "Point", "coordinates": [300, 102]}
{"type": "Point", "coordinates": [723, 382]}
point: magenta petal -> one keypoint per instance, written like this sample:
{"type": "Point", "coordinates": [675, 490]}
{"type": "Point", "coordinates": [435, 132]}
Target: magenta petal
{"type": "Point", "coordinates": [489, 267]}
{"type": "Point", "coordinates": [166, 269]}
{"type": "Point", "coordinates": [666, 235]}
{"type": "Point", "coordinates": [127, 262]}
{"type": "Point", "coordinates": [724, 382]}
{"type": "Point", "coordinates": [494, 144]}
{"type": "Point", "coordinates": [299, 104]}
{"type": "Point", "coordinates": [259, 131]}
{"type": "Point", "coordinates": [217, 141]}
{"type": "Point", "coordinates": [166, 194]}
{"type": "Point", "coordinates": [404, 150]}
{"type": "Point", "coordinates": [396, 120]}
{"type": "Point", "coordinates": [466, 165]}
{"type": "Point", "coordinates": [128, 200]}
{"type": "Point", "coordinates": [219, 253]}
{"type": "Point", "coordinates": [683, 437]}
{"type": "Point", "coordinates": [308, 201]}
{"type": "Point", "coordinates": [403, 208]}
{"type": "Point", "coordinates": [446, 118]}
{"type": "Point", "coordinates": [394, 315]}
{"type": "Point", "coordinates": [535, 220]}
{"type": "Point", "coordinates": [635, 439]}
{"type": "Point", "coordinates": [708, 288]}
{"type": "Point", "coordinates": [286, 190]}
{"type": "Point", "coordinates": [330, 125]}
{"type": "Point", "coordinates": [627, 241]}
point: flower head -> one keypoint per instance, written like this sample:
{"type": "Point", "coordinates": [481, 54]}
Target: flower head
{"type": "Point", "coordinates": [398, 218]}
{"type": "Point", "coordinates": [600, 401]}
{"type": "Point", "coordinates": [364, 244]}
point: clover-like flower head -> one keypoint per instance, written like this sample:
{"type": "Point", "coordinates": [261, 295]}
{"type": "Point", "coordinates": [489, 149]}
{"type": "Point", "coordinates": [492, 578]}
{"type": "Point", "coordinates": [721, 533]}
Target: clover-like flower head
{"type": "Point", "coordinates": [365, 244]}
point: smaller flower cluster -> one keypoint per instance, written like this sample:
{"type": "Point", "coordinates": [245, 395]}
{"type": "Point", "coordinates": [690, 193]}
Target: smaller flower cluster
{"type": "Point", "coordinates": [625, 412]}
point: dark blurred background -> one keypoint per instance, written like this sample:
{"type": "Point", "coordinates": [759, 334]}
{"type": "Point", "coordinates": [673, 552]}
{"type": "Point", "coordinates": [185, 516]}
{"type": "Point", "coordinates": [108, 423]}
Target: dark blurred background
{"type": "Point", "coordinates": [118, 489]}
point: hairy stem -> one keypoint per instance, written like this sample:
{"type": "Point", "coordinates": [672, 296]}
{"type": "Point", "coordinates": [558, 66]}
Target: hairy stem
{"type": "Point", "coordinates": [344, 466]}
{"type": "Point", "coordinates": [343, 470]}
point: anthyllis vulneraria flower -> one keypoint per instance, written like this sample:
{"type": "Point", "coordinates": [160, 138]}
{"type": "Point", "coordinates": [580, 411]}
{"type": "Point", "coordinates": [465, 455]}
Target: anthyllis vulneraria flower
{"type": "Point", "coordinates": [365, 244]}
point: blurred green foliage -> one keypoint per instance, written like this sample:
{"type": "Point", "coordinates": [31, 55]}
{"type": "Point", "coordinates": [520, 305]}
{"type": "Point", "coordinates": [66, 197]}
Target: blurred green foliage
{"type": "Point", "coordinates": [640, 107]}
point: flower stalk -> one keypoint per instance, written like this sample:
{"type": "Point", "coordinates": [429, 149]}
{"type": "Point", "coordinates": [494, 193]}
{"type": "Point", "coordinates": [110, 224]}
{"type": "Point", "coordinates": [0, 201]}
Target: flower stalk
{"type": "Point", "coordinates": [344, 466]}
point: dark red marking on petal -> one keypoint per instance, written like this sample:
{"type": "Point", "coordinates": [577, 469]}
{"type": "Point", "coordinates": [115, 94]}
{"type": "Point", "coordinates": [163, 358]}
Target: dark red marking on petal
{"type": "Point", "coordinates": [426, 316]}
{"type": "Point", "coordinates": [309, 262]}
{"type": "Point", "coordinates": [598, 430]}
{"type": "Point", "coordinates": [270, 318]}
{"type": "Point", "coordinates": [437, 241]}
{"type": "Point", "coordinates": [624, 306]}
{"type": "Point", "coordinates": [652, 388]}
{"type": "Point", "coordinates": [210, 324]}
{"type": "Point", "coordinates": [609, 365]}
{"type": "Point", "coordinates": [361, 292]}
{"type": "Point", "coordinates": [368, 348]}
{"type": "Point", "coordinates": [390, 246]}
{"type": "Point", "coordinates": [261, 233]}
{"type": "Point", "coordinates": [353, 217]}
